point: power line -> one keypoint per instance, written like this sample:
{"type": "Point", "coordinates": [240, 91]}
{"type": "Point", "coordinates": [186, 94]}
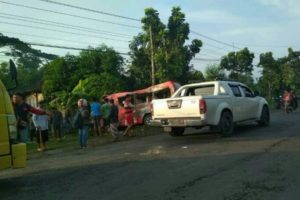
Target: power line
{"type": "Point", "coordinates": [68, 25]}
{"type": "Point", "coordinates": [48, 24]}
{"type": "Point", "coordinates": [215, 40]}
{"type": "Point", "coordinates": [205, 59]}
{"type": "Point", "coordinates": [134, 19]}
{"type": "Point", "coordinates": [67, 14]}
{"type": "Point", "coordinates": [54, 38]}
{"type": "Point", "coordinates": [269, 46]}
{"type": "Point", "coordinates": [212, 51]}
{"type": "Point", "coordinates": [65, 47]}
{"type": "Point", "coordinates": [72, 33]}
{"type": "Point", "coordinates": [90, 10]}
{"type": "Point", "coordinates": [101, 12]}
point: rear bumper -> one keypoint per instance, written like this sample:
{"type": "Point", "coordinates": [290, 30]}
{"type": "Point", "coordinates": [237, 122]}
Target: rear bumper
{"type": "Point", "coordinates": [182, 122]}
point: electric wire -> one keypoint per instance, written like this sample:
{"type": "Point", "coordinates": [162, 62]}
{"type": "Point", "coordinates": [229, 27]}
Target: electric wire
{"type": "Point", "coordinates": [67, 32]}
{"type": "Point", "coordinates": [67, 25]}
{"type": "Point", "coordinates": [71, 15]}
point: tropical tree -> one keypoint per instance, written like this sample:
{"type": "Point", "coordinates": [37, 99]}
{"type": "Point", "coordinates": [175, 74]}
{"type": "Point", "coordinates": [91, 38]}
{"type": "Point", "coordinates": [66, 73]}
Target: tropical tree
{"type": "Point", "coordinates": [239, 64]}
{"type": "Point", "coordinates": [213, 72]}
{"type": "Point", "coordinates": [171, 54]}
{"type": "Point", "coordinates": [94, 73]}
{"type": "Point", "coordinates": [29, 62]}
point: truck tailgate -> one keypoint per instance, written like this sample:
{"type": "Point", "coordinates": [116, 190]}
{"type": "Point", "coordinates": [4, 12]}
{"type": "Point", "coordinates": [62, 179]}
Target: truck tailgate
{"type": "Point", "coordinates": [183, 107]}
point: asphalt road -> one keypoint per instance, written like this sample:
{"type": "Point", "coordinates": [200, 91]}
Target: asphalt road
{"type": "Point", "coordinates": [256, 163]}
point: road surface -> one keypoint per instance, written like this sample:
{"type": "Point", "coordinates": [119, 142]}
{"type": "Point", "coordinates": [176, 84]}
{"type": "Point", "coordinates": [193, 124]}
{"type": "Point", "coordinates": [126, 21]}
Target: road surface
{"type": "Point", "coordinates": [255, 163]}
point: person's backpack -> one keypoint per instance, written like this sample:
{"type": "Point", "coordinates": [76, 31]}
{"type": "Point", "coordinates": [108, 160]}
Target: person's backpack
{"type": "Point", "coordinates": [78, 120]}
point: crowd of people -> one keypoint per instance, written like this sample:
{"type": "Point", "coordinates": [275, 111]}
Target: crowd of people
{"type": "Point", "coordinates": [99, 117]}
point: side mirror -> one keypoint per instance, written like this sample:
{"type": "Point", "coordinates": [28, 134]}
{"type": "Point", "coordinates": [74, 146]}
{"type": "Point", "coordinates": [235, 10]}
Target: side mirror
{"type": "Point", "coordinates": [256, 93]}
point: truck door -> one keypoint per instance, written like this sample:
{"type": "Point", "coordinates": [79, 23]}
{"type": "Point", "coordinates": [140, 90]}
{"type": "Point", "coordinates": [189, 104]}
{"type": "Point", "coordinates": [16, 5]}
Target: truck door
{"type": "Point", "coordinates": [238, 104]}
{"type": "Point", "coordinates": [251, 104]}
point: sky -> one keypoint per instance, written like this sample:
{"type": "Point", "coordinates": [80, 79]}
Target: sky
{"type": "Point", "coordinates": [222, 25]}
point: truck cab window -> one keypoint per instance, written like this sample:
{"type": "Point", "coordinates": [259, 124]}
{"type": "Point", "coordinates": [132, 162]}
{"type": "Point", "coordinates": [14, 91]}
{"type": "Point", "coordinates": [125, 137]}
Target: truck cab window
{"type": "Point", "coordinates": [247, 92]}
{"type": "Point", "coordinates": [235, 90]}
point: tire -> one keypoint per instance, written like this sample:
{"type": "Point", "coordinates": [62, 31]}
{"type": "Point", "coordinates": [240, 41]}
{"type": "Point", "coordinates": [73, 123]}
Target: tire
{"type": "Point", "coordinates": [264, 117]}
{"type": "Point", "coordinates": [177, 131]}
{"type": "Point", "coordinates": [147, 119]}
{"type": "Point", "coordinates": [226, 125]}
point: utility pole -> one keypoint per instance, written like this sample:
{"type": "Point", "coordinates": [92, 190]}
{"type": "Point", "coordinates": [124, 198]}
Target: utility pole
{"type": "Point", "coordinates": [152, 60]}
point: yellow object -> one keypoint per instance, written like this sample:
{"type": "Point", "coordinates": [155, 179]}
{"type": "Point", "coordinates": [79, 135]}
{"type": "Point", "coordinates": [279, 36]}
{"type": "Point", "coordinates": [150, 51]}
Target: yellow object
{"type": "Point", "coordinates": [5, 162]}
{"type": "Point", "coordinates": [8, 132]}
{"type": "Point", "coordinates": [19, 155]}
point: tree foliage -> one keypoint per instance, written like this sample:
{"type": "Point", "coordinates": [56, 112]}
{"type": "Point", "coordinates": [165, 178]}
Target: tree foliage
{"type": "Point", "coordinates": [94, 73]}
{"type": "Point", "coordinates": [279, 74]}
{"type": "Point", "coordinates": [239, 64]}
{"type": "Point", "coordinates": [213, 72]}
{"type": "Point", "coordinates": [172, 55]}
{"type": "Point", "coordinates": [29, 63]}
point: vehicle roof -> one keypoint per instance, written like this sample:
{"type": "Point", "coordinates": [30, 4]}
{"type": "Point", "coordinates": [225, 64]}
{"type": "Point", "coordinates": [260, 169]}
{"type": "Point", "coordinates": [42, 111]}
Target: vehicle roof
{"type": "Point", "coordinates": [214, 82]}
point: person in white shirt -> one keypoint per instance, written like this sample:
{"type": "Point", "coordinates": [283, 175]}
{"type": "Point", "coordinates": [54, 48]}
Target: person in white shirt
{"type": "Point", "coordinates": [41, 126]}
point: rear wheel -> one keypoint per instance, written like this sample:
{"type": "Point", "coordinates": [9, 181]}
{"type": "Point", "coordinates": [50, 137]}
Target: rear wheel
{"type": "Point", "coordinates": [147, 119]}
{"type": "Point", "coordinates": [177, 131]}
{"type": "Point", "coordinates": [226, 124]}
{"type": "Point", "coordinates": [264, 117]}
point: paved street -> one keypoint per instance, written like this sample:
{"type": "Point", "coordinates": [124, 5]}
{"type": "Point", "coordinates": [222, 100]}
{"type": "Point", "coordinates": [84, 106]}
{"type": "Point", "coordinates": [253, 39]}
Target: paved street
{"type": "Point", "coordinates": [256, 163]}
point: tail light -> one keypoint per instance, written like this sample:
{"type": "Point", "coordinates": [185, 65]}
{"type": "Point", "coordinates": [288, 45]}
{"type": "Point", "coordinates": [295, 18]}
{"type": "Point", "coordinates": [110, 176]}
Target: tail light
{"type": "Point", "coordinates": [202, 106]}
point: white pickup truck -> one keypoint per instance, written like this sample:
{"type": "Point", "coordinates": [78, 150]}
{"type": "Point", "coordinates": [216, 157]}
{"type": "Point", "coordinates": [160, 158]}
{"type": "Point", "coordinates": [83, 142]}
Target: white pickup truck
{"type": "Point", "coordinates": [218, 104]}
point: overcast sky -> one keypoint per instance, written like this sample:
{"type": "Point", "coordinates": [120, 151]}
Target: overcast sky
{"type": "Point", "coordinates": [260, 25]}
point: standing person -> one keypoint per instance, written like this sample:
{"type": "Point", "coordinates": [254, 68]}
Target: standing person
{"type": "Point", "coordinates": [114, 120]}
{"type": "Point", "coordinates": [67, 122]}
{"type": "Point", "coordinates": [82, 122]}
{"type": "Point", "coordinates": [105, 110]}
{"type": "Point", "coordinates": [21, 110]}
{"type": "Point", "coordinates": [57, 120]}
{"type": "Point", "coordinates": [129, 108]}
{"type": "Point", "coordinates": [96, 116]}
{"type": "Point", "coordinates": [287, 99]}
{"type": "Point", "coordinates": [41, 126]}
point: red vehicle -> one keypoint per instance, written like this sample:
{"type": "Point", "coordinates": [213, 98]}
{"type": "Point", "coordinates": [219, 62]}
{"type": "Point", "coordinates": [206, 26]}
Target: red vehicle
{"type": "Point", "coordinates": [141, 99]}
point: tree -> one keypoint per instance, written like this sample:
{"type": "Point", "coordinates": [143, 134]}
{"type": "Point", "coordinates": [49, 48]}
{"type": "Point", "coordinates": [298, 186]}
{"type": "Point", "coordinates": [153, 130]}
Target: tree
{"type": "Point", "coordinates": [95, 72]}
{"type": "Point", "coordinates": [279, 74]}
{"type": "Point", "coordinates": [29, 62]}
{"type": "Point", "coordinates": [271, 79]}
{"type": "Point", "coordinates": [239, 64]}
{"type": "Point", "coordinates": [171, 54]}
{"type": "Point", "coordinates": [213, 72]}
